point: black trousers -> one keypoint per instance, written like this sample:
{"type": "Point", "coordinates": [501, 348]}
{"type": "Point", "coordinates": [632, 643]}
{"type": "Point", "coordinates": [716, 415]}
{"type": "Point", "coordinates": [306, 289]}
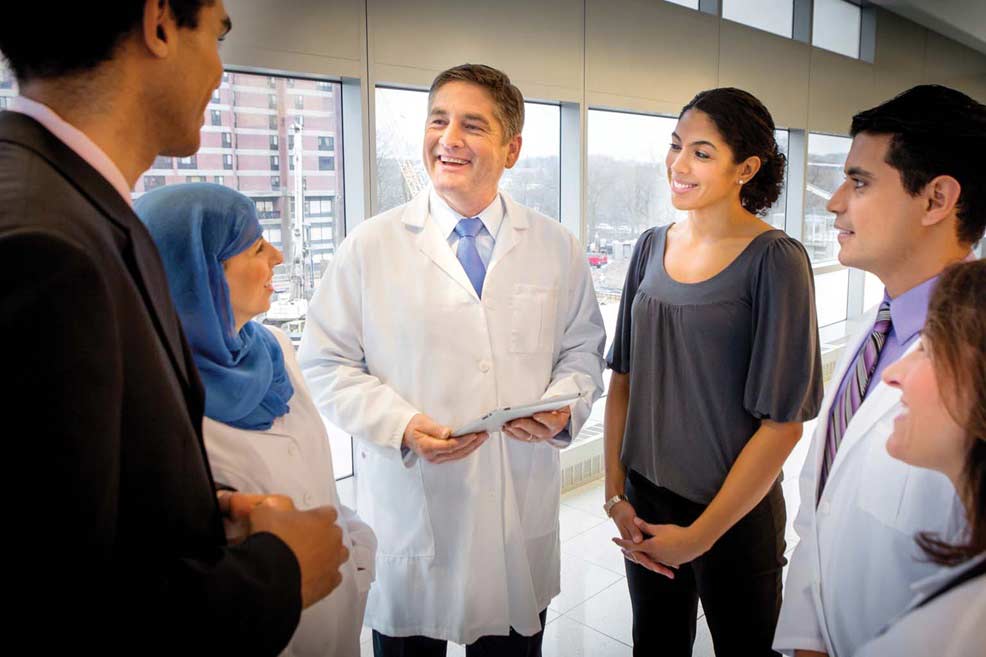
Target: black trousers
{"type": "Point", "coordinates": [738, 580]}
{"type": "Point", "coordinates": [512, 645]}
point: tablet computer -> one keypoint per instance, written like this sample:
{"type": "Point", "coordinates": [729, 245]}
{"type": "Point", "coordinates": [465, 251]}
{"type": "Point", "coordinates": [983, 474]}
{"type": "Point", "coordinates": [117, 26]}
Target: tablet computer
{"type": "Point", "coordinates": [494, 420]}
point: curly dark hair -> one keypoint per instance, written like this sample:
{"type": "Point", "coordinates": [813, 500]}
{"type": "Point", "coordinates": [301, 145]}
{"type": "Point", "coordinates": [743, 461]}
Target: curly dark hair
{"type": "Point", "coordinates": [748, 128]}
{"type": "Point", "coordinates": [43, 42]}
{"type": "Point", "coordinates": [935, 131]}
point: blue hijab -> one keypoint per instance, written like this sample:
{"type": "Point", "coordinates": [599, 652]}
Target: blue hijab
{"type": "Point", "coordinates": [196, 227]}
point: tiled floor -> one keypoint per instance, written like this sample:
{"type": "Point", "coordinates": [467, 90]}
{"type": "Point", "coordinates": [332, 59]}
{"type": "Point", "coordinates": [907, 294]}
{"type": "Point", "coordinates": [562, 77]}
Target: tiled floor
{"type": "Point", "coordinates": [591, 617]}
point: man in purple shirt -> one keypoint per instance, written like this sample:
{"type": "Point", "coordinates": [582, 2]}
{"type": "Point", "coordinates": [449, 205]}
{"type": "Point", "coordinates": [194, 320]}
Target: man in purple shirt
{"type": "Point", "coordinates": [913, 202]}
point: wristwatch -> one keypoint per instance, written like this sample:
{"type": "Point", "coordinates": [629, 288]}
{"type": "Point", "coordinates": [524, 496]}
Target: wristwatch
{"type": "Point", "coordinates": [613, 501]}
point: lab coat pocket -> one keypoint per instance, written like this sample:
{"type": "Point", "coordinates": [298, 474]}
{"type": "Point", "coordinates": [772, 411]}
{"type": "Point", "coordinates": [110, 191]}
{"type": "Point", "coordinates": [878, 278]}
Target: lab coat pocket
{"type": "Point", "coordinates": [885, 478]}
{"type": "Point", "coordinates": [534, 309]}
{"type": "Point", "coordinates": [391, 499]}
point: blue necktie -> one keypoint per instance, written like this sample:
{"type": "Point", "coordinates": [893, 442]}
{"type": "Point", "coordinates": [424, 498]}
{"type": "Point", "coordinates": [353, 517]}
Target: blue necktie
{"type": "Point", "coordinates": [468, 255]}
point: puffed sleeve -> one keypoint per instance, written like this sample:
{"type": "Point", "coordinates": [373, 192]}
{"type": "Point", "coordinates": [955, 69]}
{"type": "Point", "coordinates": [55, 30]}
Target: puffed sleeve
{"type": "Point", "coordinates": [618, 358]}
{"type": "Point", "coordinates": [784, 380]}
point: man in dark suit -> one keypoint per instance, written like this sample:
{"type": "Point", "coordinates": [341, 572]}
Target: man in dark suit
{"type": "Point", "coordinates": [116, 539]}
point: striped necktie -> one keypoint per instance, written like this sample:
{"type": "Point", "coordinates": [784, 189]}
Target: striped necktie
{"type": "Point", "coordinates": [846, 405]}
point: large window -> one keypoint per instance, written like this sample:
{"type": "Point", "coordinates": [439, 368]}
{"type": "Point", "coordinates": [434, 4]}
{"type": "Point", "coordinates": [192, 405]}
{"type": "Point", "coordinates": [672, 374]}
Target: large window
{"type": "Point", "coordinates": [831, 296]}
{"type": "Point", "coordinates": [873, 290]}
{"type": "Point", "coordinates": [253, 115]}
{"type": "Point", "coordinates": [836, 26]}
{"type": "Point", "coordinates": [826, 159]}
{"type": "Point", "coordinates": [775, 16]}
{"type": "Point", "coordinates": [401, 114]}
{"type": "Point", "coordinates": [627, 194]}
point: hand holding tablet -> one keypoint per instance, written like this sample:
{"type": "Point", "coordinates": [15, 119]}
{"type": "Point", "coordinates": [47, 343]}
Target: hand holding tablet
{"type": "Point", "coordinates": [494, 420]}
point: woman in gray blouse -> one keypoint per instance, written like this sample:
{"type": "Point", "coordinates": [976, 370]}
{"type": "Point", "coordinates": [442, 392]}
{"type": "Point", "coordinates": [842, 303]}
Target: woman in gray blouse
{"type": "Point", "coordinates": [716, 365]}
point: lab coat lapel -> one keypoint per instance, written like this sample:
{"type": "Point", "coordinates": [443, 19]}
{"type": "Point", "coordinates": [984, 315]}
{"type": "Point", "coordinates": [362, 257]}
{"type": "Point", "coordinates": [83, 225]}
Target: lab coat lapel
{"type": "Point", "coordinates": [877, 404]}
{"type": "Point", "coordinates": [825, 415]}
{"type": "Point", "coordinates": [432, 243]}
{"type": "Point", "coordinates": [512, 232]}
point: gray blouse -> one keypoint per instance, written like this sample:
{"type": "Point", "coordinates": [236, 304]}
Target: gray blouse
{"type": "Point", "coordinates": [707, 361]}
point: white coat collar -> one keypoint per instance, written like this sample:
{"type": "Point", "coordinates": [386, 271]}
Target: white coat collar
{"type": "Point", "coordinates": [434, 244]}
{"type": "Point", "coordinates": [881, 401]}
{"type": "Point", "coordinates": [925, 588]}
{"type": "Point", "coordinates": [416, 211]}
{"type": "Point", "coordinates": [447, 218]}
{"type": "Point", "coordinates": [934, 583]}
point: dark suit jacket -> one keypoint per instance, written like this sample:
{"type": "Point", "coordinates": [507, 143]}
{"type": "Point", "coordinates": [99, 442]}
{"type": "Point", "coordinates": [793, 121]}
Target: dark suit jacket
{"type": "Point", "coordinates": [118, 542]}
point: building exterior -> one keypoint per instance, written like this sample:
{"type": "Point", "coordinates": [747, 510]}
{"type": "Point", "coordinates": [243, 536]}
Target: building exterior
{"type": "Point", "coordinates": [248, 140]}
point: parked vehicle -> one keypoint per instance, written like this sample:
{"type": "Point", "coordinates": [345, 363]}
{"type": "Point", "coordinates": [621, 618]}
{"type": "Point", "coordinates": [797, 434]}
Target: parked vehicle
{"type": "Point", "coordinates": [597, 260]}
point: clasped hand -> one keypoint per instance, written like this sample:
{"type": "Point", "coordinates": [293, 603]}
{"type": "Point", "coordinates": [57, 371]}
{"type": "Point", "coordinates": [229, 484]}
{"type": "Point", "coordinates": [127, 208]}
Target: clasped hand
{"type": "Point", "coordinates": [312, 535]}
{"type": "Point", "coordinates": [660, 548]}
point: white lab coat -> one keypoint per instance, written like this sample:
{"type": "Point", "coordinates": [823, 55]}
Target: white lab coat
{"type": "Point", "coordinates": [855, 562]}
{"type": "Point", "coordinates": [293, 458]}
{"type": "Point", "coordinates": [951, 625]}
{"type": "Point", "coordinates": [468, 548]}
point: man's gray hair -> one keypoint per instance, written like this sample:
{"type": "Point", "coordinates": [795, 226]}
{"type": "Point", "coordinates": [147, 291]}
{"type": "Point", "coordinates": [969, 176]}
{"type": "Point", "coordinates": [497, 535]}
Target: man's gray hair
{"type": "Point", "coordinates": [508, 102]}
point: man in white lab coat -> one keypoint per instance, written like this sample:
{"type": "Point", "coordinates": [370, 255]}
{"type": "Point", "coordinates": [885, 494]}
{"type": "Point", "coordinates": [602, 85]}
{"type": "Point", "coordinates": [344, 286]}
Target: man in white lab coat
{"type": "Point", "coordinates": [432, 314]}
{"type": "Point", "coordinates": [913, 202]}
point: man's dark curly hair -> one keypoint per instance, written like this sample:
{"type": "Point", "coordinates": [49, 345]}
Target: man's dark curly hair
{"type": "Point", "coordinates": [45, 42]}
{"type": "Point", "coordinates": [747, 127]}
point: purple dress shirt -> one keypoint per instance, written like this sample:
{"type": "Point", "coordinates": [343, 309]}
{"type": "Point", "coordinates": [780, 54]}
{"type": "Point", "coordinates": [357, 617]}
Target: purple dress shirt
{"type": "Point", "coordinates": [907, 314]}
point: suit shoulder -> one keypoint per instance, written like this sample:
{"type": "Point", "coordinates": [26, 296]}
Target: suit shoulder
{"type": "Point", "coordinates": [34, 194]}
{"type": "Point", "coordinates": [42, 242]}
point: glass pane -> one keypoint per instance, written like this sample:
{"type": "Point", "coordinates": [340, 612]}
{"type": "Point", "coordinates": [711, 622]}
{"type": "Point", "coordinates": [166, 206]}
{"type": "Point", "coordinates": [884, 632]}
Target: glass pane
{"type": "Point", "coordinates": [8, 85]}
{"type": "Point", "coordinates": [534, 181]}
{"type": "Point", "coordinates": [256, 140]}
{"type": "Point", "coordinates": [627, 194]}
{"type": "Point", "coordinates": [836, 27]}
{"type": "Point", "coordinates": [691, 4]}
{"type": "Point", "coordinates": [775, 16]}
{"type": "Point", "coordinates": [832, 296]}
{"type": "Point", "coordinates": [826, 157]}
{"type": "Point", "coordinates": [872, 291]}
{"type": "Point", "coordinates": [777, 212]}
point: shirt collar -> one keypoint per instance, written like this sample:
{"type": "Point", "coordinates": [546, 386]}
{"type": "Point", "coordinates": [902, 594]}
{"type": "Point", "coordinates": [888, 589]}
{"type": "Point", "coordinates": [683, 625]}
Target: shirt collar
{"type": "Point", "coordinates": [447, 218]}
{"type": "Point", "coordinates": [909, 310]}
{"type": "Point", "coordinates": [76, 140]}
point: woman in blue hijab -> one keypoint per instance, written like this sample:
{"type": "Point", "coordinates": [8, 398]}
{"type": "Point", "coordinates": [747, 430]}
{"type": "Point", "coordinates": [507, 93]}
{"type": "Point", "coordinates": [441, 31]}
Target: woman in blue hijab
{"type": "Point", "coordinates": [201, 231]}
{"type": "Point", "coordinates": [262, 430]}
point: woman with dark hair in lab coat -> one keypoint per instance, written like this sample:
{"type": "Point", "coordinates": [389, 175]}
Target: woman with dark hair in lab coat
{"type": "Point", "coordinates": [943, 428]}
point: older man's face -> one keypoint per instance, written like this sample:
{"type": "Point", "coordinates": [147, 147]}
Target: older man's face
{"type": "Point", "coordinates": [465, 152]}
